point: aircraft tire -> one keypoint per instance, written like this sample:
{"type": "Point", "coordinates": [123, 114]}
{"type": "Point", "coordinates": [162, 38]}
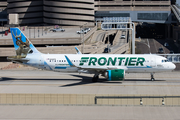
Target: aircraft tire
{"type": "Point", "coordinates": [95, 79]}
{"type": "Point", "coordinates": [152, 79]}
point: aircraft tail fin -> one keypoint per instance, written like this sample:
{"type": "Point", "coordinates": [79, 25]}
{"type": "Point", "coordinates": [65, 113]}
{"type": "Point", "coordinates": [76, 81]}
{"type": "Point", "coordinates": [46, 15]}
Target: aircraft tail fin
{"type": "Point", "coordinates": [22, 44]}
{"type": "Point", "coordinates": [78, 51]}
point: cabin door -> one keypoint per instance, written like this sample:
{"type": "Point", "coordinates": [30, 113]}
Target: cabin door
{"type": "Point", "coordinates": [153, 62]}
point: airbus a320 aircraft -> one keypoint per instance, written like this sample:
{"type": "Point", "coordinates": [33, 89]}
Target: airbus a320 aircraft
{"type": "Point", "coordinates": [112, 66]}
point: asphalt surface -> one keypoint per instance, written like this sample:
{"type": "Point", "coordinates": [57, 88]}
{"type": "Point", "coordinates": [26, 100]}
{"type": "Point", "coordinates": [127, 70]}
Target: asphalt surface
{"type": "Point", "coordinates": [120, 42]}
{"type": "Point", "coordinates": [42, 33]}
{"type": "Point", "coordinates": [38, 81]}
{"type": "Point", "coordinates": [154, 45]}
{"type": "Point", "coordinates": [100, 36]}
{"type": "Point", "coordinates": [142, 47]}
{"type": "Point", "coordinates": [27, 112]}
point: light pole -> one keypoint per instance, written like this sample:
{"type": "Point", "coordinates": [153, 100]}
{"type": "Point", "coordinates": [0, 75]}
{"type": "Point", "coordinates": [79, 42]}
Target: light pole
{"type": "Point", "coordinates": [28, 30]}
{"type": "Point", "coordinates": [108, 39]}
{"type": "Point", "coordinates": [42, 30]}
{"type": "Point", "coordinates": [80, 38]}
{"type": "Point", "coordinates": [34, 31]}
{"type": "Point", "coordinates": [38, 31]}
{"type": "Point", "coordinates": [2, 28]}
{"type": "Point", "coordinates": [29, 33]}
{"type": "Point", "coordinates": [83, 38]}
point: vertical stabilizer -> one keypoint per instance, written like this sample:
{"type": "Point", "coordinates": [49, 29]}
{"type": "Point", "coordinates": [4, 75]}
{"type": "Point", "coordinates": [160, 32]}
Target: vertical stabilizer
{"type": "Point", "coordinates": [22, 44]}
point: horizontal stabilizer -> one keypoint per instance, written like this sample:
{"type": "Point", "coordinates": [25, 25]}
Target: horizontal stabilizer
{"type": "Point", "coordinates": [18, 59]}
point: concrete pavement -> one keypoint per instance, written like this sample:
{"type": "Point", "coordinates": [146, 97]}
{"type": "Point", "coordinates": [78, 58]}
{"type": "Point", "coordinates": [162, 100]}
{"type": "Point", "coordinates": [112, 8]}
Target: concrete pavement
{"type": "Point", "coordinates": [26, 112]}
{"type": "Point", "coordinates": [38, 81]}
{"type": "Point", "coordinates": [35, 86]}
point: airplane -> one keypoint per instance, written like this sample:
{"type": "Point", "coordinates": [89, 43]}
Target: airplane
{"type": "Point", "coordinates": [111, 66]}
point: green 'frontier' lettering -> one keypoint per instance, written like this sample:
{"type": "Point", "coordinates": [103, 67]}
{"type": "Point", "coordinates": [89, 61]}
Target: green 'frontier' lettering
{"type": "Point", "coordinates": [140, 61]}
{"type": "Point", "coordinates": [126, 61]}
{"type": "Point", "coordinates": [120, 60]}
{"type": "Point", "coordinates": [92, 60]}
{"type": "Point", "coordinates": [83, 60]}
{"type": "Point", "coordinates": [132, 61]}
{"type": "Point", "coordinates": [102, 63]}
{"type": "Point", "coordinates": [111, 60]}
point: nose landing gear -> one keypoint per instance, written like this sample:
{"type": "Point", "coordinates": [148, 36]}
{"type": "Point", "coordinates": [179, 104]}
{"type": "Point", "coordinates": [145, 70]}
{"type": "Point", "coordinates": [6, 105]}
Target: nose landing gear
{"type": "Point", "coordinates": [152, 77]}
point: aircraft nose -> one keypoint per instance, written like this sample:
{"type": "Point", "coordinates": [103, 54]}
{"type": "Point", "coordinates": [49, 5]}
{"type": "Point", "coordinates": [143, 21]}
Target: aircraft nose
{"type": "Point", "coordinates": [173, 66]}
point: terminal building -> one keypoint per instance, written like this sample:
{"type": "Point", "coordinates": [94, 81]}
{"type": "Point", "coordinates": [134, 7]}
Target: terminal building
{"type": "Point", "coordinates": [79, 12]}
{"type": "Point", "coordinates": [89, 12]}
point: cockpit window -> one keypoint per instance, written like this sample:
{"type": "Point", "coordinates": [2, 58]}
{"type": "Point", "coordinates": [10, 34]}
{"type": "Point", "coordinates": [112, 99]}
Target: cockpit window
{"type": "Point", "coordinates": [165, 60]}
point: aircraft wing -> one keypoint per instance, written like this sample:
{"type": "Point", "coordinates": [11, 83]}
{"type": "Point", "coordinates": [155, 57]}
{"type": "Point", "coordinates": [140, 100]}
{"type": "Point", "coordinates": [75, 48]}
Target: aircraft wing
{"type": "Point", "coordinates": [102, 68]}
{"type": "Point", "coordinates": [99, 68]}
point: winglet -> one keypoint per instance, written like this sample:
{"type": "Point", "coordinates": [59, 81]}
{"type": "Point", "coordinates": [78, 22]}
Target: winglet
{"type": "Point", "coordinates": [69, 62]}
{"type": "Point", "coordinates": [78, 51]}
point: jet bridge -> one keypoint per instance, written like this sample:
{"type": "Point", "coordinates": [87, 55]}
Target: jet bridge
{"type": "Point", "coordinates": [175, 58]}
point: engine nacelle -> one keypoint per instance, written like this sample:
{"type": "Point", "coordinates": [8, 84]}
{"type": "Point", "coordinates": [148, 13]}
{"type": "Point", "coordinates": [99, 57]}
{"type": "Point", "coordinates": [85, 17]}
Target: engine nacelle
{"type": "Point", "coordinates": [115, 75]}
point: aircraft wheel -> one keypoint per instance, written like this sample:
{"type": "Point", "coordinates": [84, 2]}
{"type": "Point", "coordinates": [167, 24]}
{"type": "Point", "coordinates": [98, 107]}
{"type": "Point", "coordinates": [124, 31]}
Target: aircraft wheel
{"type": "Point", "coordinates": [152, 79]}
{"type": "Point", "coordinates": [95, 78]}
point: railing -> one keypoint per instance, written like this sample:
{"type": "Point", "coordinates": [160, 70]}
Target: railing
{"type": "Point", "coordinates": [121, 49]}
{"type": "Point", "coordinates": [86, 36]}
{"type": "Point", "coordinates": [87, 99]}
{"type": "Point", "coordinates": [133, 3]}
{"type": "Point", "coordinates": [114, 3]}
{"type": "Point", "coordinates": [151, 8]}
{"type": "Point", "coordinates": [42, 41]}
{"type": "Point", "coordinates": [3, 4]}
{"type": "Point", "coordinates": [175, 58]}
{"type": "Point", "coordinates": [114, 8]}
{"type": "Point", "coordinates": [151, 3]}
{"type": "Point", "coordinates": [176, 12]}
{"type": "Point", "coordinates": [135, 97]}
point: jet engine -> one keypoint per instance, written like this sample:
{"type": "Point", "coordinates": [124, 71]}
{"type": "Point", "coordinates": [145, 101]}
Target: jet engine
{"type": "Point", "coordinates": [115, 75]}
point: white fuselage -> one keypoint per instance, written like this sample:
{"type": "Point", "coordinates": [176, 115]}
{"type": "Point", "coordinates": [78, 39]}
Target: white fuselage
{"type": "Point", "coordinates": [130, 63]}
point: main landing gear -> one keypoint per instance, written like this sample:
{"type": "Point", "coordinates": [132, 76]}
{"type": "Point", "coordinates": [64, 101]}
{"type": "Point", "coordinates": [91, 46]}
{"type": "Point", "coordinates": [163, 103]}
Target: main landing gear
{"type": "Point", "coordinates": [95, 78]}
{"type": "Point", "coordinates": [152, 77]}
